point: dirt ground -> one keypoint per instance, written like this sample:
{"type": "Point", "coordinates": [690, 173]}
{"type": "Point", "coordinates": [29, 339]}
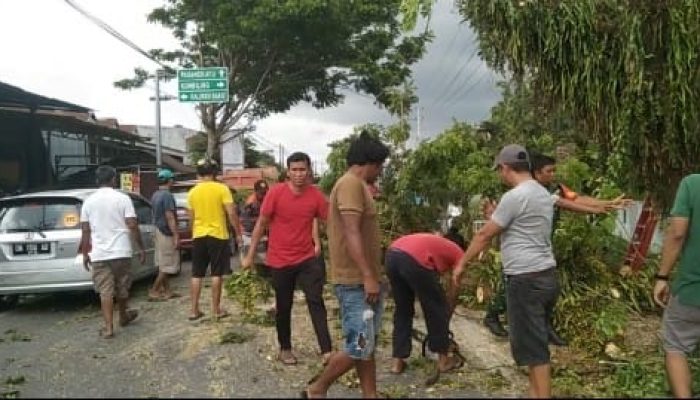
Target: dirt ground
{"type": "Point", "coordinates": [49, 347]}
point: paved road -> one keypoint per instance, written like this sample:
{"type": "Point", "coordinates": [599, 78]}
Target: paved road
{"type": "Point", "coordinates": [51, 343]}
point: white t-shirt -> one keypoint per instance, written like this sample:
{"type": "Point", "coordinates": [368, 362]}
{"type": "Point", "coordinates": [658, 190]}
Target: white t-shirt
{"type": "Point", "coordinates": [106, 211]}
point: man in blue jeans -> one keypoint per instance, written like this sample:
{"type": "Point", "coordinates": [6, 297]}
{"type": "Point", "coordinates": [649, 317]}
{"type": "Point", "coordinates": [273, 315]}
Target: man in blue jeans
{"type": "Point", "coordinates": [355, 256]}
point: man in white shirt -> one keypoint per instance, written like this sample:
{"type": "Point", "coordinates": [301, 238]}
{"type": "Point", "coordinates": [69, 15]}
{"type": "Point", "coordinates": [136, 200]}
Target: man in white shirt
{"type": "Point", "coordinates": [107, 219]}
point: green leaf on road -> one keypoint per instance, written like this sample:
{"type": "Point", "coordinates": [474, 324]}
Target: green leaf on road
{"type": "Point", "coordinates": [15, 380]}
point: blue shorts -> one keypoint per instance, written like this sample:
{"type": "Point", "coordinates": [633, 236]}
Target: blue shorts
{"type": "Point", "coordinates": [360, 333]}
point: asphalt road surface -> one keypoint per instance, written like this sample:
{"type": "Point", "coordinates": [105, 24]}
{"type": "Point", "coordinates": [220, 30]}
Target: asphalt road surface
{"type": "Point", "coordinates": [50, 347]}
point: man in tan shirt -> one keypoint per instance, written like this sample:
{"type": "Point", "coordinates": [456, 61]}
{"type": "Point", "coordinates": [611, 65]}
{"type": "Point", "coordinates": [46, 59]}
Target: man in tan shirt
{"type": "Point", "coordinates": [355, 257]}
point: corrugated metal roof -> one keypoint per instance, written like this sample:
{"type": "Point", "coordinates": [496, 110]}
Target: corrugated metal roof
{"type": "Point", "coordinates": [62, 122]}
{"type": "Point", "coordinates": [14, 97]}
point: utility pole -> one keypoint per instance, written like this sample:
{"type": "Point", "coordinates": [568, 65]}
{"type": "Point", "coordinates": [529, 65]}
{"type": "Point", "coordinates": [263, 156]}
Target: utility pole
{"type": "Point", "coordinates": [158, 131]}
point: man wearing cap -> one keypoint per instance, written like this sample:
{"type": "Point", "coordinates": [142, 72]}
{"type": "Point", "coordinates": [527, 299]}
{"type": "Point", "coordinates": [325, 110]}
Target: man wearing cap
{"type": "Point", "coordinates": [523, 219]}
{"type": "Point", "coordinates": [167, 256]}
{"type": "Point", "coordinates": [543, 169]}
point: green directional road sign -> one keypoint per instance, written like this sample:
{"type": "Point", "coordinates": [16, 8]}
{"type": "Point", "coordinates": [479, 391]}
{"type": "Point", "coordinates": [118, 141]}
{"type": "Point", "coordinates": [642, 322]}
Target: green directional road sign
{"type": "Point", "coordinates": [203, 85]}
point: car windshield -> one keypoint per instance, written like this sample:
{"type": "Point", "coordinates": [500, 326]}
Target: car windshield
{"type": "Point", "coordinates": [39, 214]}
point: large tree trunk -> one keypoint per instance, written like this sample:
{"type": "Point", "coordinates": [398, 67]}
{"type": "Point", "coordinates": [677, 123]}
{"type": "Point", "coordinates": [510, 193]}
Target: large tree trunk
{"type": "Point", "coordinates": [212, 144]}
{"type": "Point", "coordinates": [208, 117]}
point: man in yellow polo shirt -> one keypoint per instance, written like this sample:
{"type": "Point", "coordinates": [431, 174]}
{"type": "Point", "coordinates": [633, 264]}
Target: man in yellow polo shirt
{"type": "Point", "coordinates": [211, 206]}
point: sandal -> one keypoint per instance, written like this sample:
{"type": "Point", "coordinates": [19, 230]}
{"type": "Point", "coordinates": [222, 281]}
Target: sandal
{"type": "Point", "coordinates": [459, 363]}
{"type": "Point", "coordinates": [222, 315]}
{"type": "Point", "coordinates": [398, 367]}
{"type": "Point", "coordinates": [104, 334]}
{"type": "Point", "coordinates": [288, 360]}
{"type": "Point", "coordinates": [131, 315]}
{"type": "Point", "coordinates": [155, 297]}
{"type": "Point", "coordinates": [325, 358]}
{"type": "Point", "coordinates": [196, 316]}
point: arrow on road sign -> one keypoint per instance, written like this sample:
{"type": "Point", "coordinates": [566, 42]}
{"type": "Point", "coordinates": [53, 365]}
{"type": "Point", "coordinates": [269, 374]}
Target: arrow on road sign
{"type": "Point", "coordinates": [220, 84]}
{"type": "Point", "coordinates": [183, 96]}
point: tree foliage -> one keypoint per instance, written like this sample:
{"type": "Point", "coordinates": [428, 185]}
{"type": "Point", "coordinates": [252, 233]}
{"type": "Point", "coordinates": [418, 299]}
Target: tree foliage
{"type": "Point", "coordinates": [253, 158]}
{"type": "Point", "coordinates": [411, 9]}
{"type": "Point", "coordinates": [628, 72]}
{"type": "Point", "coordinates": [521, 117]}
{"type": "Point", "coordinates": [448, 170]}
{"type": "Point", "coordinates": [399, 102]}
{"type": "Point", "coordinates": [282, 52]}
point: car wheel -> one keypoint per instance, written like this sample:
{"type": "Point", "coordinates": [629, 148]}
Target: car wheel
{"type": "Point", "coordinates": [7, 302]}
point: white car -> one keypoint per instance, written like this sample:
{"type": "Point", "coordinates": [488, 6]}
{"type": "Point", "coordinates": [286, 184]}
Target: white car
{"type": "Point", "coordinates": [39, 243]}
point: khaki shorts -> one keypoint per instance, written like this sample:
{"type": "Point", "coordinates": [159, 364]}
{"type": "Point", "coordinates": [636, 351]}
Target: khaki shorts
{"type": "Point", "coordinates": [112, 278]}
{"type": "Point", "coordinates": [167, 257]}
{"type": "Point", "coordinates": [680, 327]}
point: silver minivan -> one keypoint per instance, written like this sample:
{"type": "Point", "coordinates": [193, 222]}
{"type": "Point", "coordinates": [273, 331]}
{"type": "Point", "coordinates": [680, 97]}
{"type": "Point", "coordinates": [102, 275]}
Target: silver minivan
{"type": "Point", "coordinates": [39, 239]}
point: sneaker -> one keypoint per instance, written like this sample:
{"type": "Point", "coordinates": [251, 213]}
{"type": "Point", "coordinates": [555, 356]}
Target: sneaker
{"type": "Point", "coordinates": [554, 337]}
{"type": "Point", "coordinates": [495, 326]}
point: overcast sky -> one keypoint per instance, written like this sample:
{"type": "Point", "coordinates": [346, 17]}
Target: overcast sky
{"type": "Point", "coordinates": [50, 49]}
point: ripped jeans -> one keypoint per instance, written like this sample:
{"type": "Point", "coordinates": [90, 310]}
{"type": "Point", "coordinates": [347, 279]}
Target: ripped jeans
{"type": "Point", "coordinates": [361, 322]}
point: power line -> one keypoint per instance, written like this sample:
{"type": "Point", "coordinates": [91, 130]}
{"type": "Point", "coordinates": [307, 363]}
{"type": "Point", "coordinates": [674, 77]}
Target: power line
{"type": "Point", "coordinates": [464, 89]}
{"type": "Point", "coordinates": [264, 140]}
{"type": "Point", "coordinates": [259, 143]}
{"type": "Point", "coordinates": [451, 87]}
{"type": "Point", "coordinates": [162, 92]}
{"type": "Point", "coordinates": [443, 66]}
{"type": "Point", "coordinates": [114, 33]}
{"type": "Point", "coordinates": [459, 72]}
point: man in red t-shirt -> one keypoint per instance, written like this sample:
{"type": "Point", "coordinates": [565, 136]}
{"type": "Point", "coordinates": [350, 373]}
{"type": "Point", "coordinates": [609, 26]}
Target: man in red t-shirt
{"type": "Point", "coordinates": [289, 210]}
{"type": "Point", "coordinates": [414, 264]}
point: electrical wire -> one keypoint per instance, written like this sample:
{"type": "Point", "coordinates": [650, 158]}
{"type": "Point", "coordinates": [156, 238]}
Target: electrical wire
{"type": "Point", "coordinates": [441, 69]}
{"type": "Point", "coordinates": [260, 144]}
{"type": "Point", "coordinates": [464, 93]}
{"type": "Point", "coordinates": [114, 33]}
{"type": "Point", "coordinates": [263, 139]}
{"type": "Point", "coordinates": [455, 77]}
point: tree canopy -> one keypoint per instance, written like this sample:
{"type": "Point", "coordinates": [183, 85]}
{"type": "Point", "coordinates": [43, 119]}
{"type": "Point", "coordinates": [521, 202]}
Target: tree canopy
{"type": "Point", "coordinates": [253, 158]}
{"type": "Point", "coordinates": [282, 52]}
{"type": "Point", "coordinates": [627, 72]}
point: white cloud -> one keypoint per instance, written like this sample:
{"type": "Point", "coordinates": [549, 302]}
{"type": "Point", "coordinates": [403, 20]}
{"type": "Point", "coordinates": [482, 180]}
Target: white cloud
{"type": "Point", "coordinates": [304, 134]}
{"type": "Point", "coordinates": [50, 49]}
